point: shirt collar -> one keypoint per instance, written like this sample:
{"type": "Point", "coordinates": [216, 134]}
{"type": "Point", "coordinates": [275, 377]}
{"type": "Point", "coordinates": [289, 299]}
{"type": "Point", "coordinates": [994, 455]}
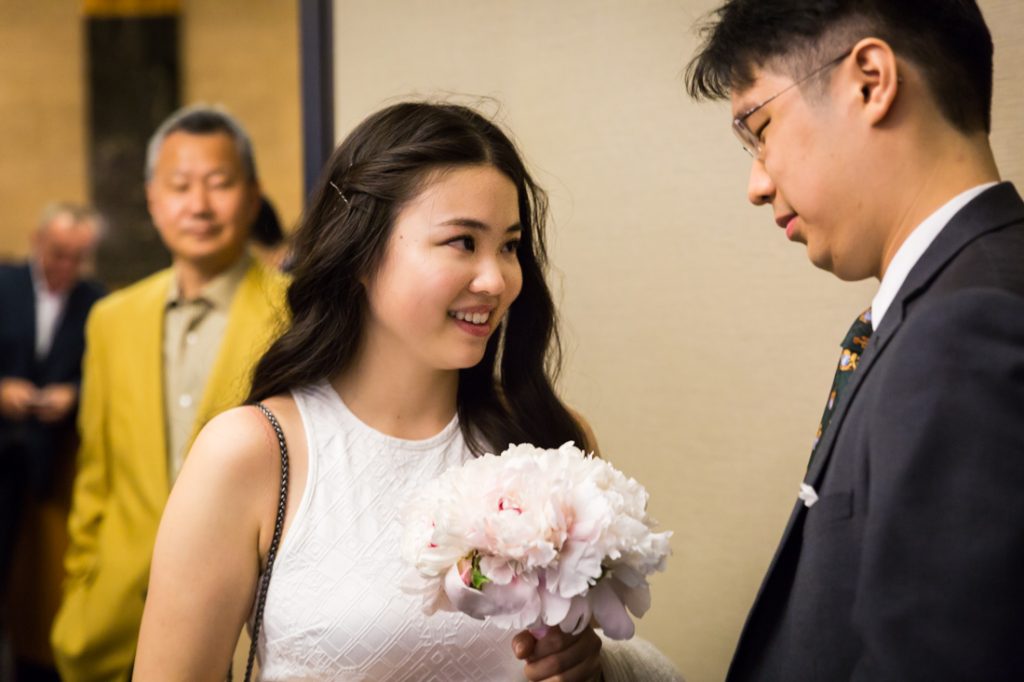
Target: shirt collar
{"type": "Point", "coordinates": [914, 247]}
{"type": "Point", "coordinates": [219, 291]}
{"type": "Point", "coordinates": [39, 285]}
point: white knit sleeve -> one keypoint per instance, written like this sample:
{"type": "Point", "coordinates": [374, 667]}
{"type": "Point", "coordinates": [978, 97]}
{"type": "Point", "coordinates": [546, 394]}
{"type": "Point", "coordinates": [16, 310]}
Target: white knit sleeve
{"type": "Point", "coordinates": [635, 659]}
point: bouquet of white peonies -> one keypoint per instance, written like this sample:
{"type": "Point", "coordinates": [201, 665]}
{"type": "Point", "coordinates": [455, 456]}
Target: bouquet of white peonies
{"type": "Point", "coordinates": [535, 538]}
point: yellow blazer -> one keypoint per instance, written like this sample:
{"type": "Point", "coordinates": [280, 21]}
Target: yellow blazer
{"type": "Point", "coordinates": [122, 482]}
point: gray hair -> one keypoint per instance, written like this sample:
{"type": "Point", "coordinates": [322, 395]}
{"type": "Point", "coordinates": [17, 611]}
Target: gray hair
{"type": "Point", "coordinates": [202, 119]}
{"type": "Point", "coordinates": [79, 213]}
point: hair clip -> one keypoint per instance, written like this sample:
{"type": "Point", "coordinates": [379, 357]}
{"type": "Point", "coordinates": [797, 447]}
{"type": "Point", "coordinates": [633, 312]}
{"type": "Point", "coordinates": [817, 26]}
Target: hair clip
{"type": "Point", "coordinates": [340, 193]}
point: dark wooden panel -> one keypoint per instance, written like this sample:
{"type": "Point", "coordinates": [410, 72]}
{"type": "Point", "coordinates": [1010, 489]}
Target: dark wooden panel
{"type": "Point", "coordinates": [132, 85]}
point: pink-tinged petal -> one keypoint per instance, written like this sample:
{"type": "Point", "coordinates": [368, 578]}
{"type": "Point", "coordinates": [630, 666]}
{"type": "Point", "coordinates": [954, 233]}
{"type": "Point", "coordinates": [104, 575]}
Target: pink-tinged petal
{"type": "Point", "coordinates": [578, 564]}
{"type": "Point", "coordinates": [578, 616]}
{"type": "Point", "coordinates": [497, 569]}
{"type": "Point", "coordinates": [437, 601]}
{"type": "Point", "coordinates": [610, 612]}
{"type": "Point", "coordinates": [637, 599]}
{"type": "Point", "coordinates": [521, 606]}
{"type": "Point", "coordinates": [530, 615]}
{"type": "Point", "coordinates": [516, 597]}
{"type": "Point", "coordinates": [430, 592]}
{"type": "Point", "coordinates": [554, 607]}
{"type": "Point", "coordinates": [627, 575]}
{"type": "Point", "coordinates": [473, 603]}
{"type": "Point", "coordinates": [465, 569]}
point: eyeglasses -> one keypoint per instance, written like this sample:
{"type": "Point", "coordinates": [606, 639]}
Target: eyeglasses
{"type": "Point", "coordinates": [751, 142]}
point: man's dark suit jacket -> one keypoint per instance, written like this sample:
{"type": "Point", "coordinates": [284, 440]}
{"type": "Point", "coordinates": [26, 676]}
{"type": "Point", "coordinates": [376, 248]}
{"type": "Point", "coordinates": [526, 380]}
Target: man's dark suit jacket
{"type": "Point", "coordinates": [910, 566]}
{"type": "Point", "coordinates": [29, 446]}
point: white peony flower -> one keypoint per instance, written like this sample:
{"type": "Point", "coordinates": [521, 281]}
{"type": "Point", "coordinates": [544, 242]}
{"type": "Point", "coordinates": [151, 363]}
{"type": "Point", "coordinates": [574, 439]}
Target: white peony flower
{"type": "Point", "coordinates": [535, 537]}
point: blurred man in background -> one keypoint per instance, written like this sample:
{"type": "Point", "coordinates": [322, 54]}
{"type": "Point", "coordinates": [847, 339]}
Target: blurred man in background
{"type": "Point", "coordinates": [43, 303]}
{"type": "Point", "coordinates": [164, 356]}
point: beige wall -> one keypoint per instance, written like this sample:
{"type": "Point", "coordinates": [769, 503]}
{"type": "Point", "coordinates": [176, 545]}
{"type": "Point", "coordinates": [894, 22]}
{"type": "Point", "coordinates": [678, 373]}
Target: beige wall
{"type": "Point", "coordinates": [1006, 19]}
{"type": "Point", "coordinates": [244, 55]}
{"type": "Point", "coordinates": [701, 343]}
{"type": "Point", "coordinates": [42, 142]}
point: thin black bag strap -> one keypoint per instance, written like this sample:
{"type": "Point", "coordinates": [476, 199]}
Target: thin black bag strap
{"type": "Point", "coordinates": [261, 594]}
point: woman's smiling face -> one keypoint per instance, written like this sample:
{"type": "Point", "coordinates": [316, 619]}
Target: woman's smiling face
{"type": "Point", "coordinates": [450, 271]}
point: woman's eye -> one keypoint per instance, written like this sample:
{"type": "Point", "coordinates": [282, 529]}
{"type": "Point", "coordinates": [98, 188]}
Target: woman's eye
{"type": "Point", "coordinates": [464, 243]}
{"type": "Point", "coordinates": [511, 246]}
{"type": "Point", "coordinates": [760, 131]}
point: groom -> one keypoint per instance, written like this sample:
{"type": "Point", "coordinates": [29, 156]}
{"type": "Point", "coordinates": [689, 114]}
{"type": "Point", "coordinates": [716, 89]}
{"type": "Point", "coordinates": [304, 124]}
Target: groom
{"type": "Point", "coordinates": [867, 122]}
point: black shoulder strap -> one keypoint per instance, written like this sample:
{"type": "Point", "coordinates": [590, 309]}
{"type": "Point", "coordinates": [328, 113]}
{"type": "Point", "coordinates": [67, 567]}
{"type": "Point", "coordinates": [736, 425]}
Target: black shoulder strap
{"type": "Point", "coordinates": [261, 594]}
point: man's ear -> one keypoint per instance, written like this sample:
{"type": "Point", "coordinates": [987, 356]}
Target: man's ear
{"type": "Point", "coordinates": [256, 198]}
{"type": "Point", "coordinates": [252, 203]}
{"type": "Point", "coordinates": [149, 196]}
{"type": "Point", "coordinates": [875, 73]}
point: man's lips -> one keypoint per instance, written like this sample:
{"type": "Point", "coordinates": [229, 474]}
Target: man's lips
{"type": "Point", "coordinates": [200, 227]}
{"type": "Point", "coordinates": [783, 220]}
{"type": "Point", "coordinates": [788, 223]}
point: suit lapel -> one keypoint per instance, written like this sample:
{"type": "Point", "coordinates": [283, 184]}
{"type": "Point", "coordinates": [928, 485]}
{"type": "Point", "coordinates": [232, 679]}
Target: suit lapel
{"type": "Point", "coordinates": [62, 330]}
{"type": "Point", "coordinates": [147, 329]}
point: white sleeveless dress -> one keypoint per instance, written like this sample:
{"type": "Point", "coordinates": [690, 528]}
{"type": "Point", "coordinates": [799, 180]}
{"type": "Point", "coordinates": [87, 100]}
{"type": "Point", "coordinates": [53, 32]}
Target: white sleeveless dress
{"type": "Point", "coordinates": [335, 609]}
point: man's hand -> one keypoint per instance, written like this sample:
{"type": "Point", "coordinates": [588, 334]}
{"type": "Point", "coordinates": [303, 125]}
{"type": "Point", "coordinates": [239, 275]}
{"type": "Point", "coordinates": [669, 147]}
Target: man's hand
{"type": "Point", "coordinates": [17, 398]}
{"type": "Point", "coordinates": [55, 402]}
{"type": "Point", "coordinates": [558, 657]}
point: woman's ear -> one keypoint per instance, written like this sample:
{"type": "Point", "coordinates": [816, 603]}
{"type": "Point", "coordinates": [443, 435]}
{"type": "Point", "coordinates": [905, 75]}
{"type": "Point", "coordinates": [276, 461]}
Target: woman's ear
{"type": "Point", "coordinates": [874, 71]}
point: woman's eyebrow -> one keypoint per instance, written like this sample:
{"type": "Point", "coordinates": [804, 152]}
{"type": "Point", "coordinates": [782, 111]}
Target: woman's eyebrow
{"type": "Point", "coordinates": [474, 224]}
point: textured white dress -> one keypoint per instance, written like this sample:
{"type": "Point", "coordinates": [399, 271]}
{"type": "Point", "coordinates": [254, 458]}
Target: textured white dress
{"type": "Point", "coordinates": [335, 609]}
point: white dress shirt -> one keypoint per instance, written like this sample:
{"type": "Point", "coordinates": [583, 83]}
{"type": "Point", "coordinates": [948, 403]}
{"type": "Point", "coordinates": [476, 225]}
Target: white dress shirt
{"type": "Point", "coordinates": [49, 306]}
{"type": "Point", "coordinates": [913, 248]}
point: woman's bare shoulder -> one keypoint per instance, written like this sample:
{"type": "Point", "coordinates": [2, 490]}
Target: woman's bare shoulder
{"type": "Point", "coordinates": [241, 442]}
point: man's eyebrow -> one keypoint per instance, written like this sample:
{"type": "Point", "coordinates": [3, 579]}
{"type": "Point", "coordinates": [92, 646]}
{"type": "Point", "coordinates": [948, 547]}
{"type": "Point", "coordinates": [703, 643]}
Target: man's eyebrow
{"type": "Point", "coordinates": [746, 104]}
{"type": "Point", "coordinates": [474, 224]}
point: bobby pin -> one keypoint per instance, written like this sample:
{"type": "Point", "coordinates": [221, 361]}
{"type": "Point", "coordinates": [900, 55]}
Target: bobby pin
{"type": "Point", "coordinates": [340, 193]}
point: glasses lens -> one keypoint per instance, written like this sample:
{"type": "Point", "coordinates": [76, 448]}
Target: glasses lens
{"type": "Point", "coordinates": [746, 137]}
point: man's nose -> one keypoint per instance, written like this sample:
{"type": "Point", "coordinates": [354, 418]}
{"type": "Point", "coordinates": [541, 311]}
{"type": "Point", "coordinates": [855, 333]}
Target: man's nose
{"type": "Point", "coordinates": [199, 199]}
{"type": "Point", "coordinates": [760, 188]}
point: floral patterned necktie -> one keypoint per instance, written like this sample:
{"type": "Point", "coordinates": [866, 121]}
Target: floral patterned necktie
{"type": "Point", "coordinates": [853, 346]}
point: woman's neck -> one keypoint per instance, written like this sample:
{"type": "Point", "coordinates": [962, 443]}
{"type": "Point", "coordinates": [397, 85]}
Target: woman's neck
{"type": "Point", "coordinates": [400, 397]}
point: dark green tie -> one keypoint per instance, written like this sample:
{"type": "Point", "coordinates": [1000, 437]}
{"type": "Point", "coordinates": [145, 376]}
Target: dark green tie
{"type": "Point", "coordinates": [853, 346]}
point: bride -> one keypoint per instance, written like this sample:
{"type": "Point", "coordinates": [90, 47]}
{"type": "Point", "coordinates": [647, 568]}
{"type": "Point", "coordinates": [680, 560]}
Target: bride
{"type": "Point", "coordinates": [422, 334]}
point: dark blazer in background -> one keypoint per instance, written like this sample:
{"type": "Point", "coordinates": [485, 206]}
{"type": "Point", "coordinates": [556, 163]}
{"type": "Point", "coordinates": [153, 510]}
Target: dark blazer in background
{"type": "Point", "coordinates": [28, 449]}
{"type": "Point", "coordinates": [910, 566]}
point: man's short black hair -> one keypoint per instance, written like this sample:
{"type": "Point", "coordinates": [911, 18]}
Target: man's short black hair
{"type": "Point", "coordinates": [946, 39]}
